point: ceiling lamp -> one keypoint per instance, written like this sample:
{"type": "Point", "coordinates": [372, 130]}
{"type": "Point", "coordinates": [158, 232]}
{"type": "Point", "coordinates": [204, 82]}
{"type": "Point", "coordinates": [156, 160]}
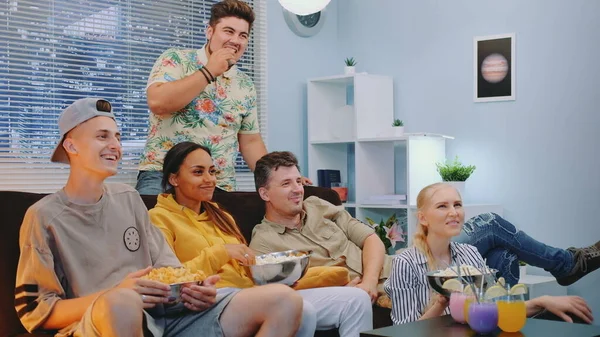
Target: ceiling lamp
{"type": "Point", "coordinates": [304, 7]}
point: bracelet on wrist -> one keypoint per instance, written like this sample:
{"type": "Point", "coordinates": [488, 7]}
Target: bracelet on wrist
{"type": "Point", "coordinates": [205, 75]}
{"type": "Point", "coordinates": [208, 71]}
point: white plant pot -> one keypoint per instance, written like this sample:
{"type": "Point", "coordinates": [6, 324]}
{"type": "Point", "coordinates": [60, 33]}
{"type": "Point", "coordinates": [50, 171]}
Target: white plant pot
{"type": "Point", "coordinates": [522, 271]}
{"type": "Point", "coordinates": [349, 70]}
{"type": "Point", "coordinates": [459, 185]}
{"type": "Point", "coordinates": [397, 131]}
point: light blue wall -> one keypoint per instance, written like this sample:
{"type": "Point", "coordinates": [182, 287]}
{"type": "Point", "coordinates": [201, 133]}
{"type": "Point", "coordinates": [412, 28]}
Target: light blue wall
{"type": "Point", "coordinates": [538, 155]}
{"type": "Point", "coordinates": [291, 60]}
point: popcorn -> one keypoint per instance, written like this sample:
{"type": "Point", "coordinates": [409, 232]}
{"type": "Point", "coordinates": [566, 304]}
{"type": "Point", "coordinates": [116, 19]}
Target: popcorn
{"type": "Point", "coordinates": [270, 259]}
{"type": "Point", "coordinates": [465, 270]}
{"type": "Point", "coordinates": [170, 275]}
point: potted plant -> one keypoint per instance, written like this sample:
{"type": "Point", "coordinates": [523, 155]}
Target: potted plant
{"type": "Point", "coordinates": [455, 173]}
{"type": "Point", "coordinates": [391, 232]}
{"type": "Point", "coordinates": [349, 69]}
{"type": "Point", "coordinates": [398, 127]}
{"type": "Point", "coordinates": [522, 269]}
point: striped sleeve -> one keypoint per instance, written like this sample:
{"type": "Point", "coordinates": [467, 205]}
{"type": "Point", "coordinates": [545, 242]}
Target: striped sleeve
{"type": "Point", "coordinates": [37, 286]}
{"type": "Point", "coordinates": [406, 289]}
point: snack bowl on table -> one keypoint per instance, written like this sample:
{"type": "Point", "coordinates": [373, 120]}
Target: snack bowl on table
{"type": "Point", "coordinates": [285, 267]}
{"type": "Point", "coordinates": [436, 280]}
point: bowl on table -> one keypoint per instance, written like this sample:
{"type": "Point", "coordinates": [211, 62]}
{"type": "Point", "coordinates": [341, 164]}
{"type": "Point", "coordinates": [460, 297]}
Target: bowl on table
{"type": "Point", "coordinates": [436, 279]}
{"type": "Point", "coordinates": [285, 267]}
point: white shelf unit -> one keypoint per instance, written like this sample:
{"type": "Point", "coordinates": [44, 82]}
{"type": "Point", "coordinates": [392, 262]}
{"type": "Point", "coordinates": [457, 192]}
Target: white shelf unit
{"type": "Point", "coordinates": [370, 160]}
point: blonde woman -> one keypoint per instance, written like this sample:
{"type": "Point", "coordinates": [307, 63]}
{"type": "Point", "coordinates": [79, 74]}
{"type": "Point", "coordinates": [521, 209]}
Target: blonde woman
{"type": "Point", "coordinates": [440, 217]}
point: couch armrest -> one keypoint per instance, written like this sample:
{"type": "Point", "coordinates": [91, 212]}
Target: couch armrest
{"type": "Point", "coordinates": [323, 193]}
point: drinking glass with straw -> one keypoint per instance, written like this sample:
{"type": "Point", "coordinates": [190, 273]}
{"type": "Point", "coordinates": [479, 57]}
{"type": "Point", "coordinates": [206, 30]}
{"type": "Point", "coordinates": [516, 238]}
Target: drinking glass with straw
{"type": "Point", "coordinates": [457, 299]}
{"type": "Point", "coordinates": [512, 313]}
{"type": "Point", "coordinates": [470, 299]}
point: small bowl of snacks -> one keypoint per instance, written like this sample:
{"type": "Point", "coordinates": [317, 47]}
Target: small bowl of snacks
{"type": "Point", "coordinates": [437, 278]}
{"type": "Point", "coordinates": [176, 278]}
{"type": "Point", "coordinates": [285, 267]}
{"type": "Point", "coordinates": [176, 288]}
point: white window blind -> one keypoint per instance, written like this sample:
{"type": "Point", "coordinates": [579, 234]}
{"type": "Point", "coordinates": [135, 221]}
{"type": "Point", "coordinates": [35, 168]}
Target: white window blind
{"type": "Point", "coordinates": [53, 52]}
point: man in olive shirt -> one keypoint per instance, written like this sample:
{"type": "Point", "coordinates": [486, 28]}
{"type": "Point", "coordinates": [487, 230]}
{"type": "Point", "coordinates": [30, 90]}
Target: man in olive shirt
{"type": "Point", "coordinates": [334, 236]}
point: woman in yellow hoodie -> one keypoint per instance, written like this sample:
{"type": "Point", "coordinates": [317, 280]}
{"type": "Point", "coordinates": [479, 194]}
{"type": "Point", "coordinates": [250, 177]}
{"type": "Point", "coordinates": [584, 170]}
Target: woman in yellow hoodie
{"type": "Point", "coordinates": [205, 237]}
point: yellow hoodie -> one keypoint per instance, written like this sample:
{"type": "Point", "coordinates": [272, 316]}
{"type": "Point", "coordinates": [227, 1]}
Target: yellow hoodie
{"type": "Point", "coordinates": [198, 243]}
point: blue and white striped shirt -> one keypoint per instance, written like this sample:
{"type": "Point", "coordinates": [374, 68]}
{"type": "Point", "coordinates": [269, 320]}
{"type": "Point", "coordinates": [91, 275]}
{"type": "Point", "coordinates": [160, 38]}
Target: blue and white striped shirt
{"type": "Point", "coordinates": [407, 285]}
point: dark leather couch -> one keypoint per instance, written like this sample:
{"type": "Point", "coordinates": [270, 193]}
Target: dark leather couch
{"type": "Point", "coordinates": [246, 207]}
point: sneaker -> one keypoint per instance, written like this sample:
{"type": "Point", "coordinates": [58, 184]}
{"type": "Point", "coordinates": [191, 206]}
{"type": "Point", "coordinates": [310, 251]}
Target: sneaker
{"type": "Point", "coordinates": [586, 261]}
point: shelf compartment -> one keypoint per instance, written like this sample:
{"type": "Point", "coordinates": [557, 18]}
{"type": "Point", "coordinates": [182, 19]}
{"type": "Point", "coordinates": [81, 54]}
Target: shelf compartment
{"type": "Point", "coordinates": [398, 206]}
{"type": "Point", "coordinates": [332, 141]}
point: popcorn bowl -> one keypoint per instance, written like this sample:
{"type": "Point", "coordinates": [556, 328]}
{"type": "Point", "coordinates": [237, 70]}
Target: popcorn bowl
{"type": "Point", "coordinates": [176, 288]}
{"type": "Point", "coordinates": [285, 267]}
{"type": "Point", "coordinates": [436, 280]}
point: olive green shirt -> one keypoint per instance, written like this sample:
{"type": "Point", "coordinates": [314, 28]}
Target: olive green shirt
{"type": "Point", "coordinates": [333, 235]}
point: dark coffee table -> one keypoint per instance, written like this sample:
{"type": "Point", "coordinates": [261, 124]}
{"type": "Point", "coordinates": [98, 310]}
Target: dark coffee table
{"type": "Point", "coordinates": [445, 326]}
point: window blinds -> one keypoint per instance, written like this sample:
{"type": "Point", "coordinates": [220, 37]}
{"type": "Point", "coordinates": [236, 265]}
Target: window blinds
{"type": "Point", "coordinates": [53, 52]}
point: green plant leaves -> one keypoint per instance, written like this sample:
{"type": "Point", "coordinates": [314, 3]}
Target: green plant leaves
{"type": "Point", "coordinates": [350, 62]}
{"type": "Point", "coordinates": [454, 170]}
{"type": "Point", "coordinates": [398, 122]}
{"type": "Point", "coordinates": [383, 229]}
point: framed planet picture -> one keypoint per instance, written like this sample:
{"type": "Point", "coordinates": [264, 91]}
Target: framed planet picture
{"type": "Point", "coordinates": [494, 68]}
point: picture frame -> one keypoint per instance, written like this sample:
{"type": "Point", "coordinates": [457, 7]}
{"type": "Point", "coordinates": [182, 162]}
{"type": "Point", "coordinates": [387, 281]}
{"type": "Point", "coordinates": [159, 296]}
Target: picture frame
{"type": "Point", "coordinates": [494, 64]}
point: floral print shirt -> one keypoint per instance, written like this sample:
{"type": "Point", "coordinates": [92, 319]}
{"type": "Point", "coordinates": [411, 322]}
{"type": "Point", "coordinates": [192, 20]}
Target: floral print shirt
{"type": "Point", "coordinates": [225, 108]}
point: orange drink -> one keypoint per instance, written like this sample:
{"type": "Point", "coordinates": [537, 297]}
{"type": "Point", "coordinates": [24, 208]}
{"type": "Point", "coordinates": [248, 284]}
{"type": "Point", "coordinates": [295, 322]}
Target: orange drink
{"type": "Point", "coordinates": [511, 313]}
{"type": "Point", "coordinates": [468, 302]}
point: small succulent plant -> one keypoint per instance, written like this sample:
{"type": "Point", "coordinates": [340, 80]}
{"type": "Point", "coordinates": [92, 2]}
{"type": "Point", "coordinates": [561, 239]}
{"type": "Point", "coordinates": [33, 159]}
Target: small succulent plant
{"type": "Point", "coordinates": [350, 62]}
{"type": "Point", "coordinates": [398, 122]}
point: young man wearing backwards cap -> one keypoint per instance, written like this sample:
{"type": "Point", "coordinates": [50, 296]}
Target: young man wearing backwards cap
{"type": "Point", "coordinates": [85, 248]}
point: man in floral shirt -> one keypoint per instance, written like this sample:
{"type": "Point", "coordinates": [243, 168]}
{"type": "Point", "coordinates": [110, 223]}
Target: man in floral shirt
{"type": "Point", "coordinates": [201, 96]}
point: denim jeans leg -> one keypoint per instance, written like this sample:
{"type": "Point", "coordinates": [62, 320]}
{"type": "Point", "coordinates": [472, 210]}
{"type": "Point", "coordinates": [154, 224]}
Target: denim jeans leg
{"type": "Point", "coordinates": [148, 182]}
{"type": "Point", "coordinates": [489, 231]}
{"type": "Point", "coordinates": [506, 263]}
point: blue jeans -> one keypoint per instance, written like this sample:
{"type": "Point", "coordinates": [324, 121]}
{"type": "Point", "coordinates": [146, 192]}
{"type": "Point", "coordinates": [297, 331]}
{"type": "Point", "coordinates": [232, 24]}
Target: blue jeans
{"type": "Point", "coordinates": [504, 246]}
{"type": "Point", "coordinates": [148, 182]}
